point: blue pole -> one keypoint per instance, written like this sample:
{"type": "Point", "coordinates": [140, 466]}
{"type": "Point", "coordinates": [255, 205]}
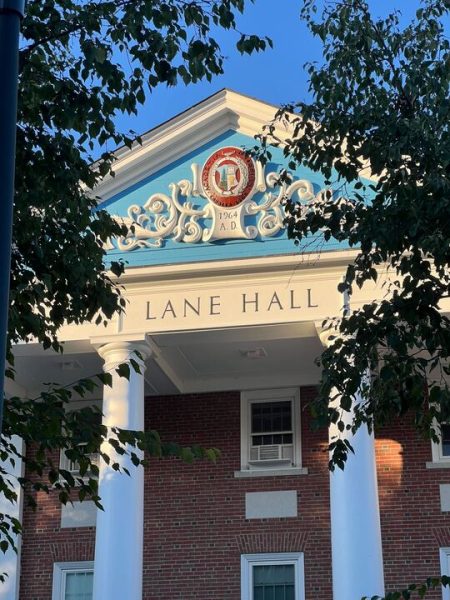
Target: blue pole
{"type": "Point", "coordinates": [11, 13]}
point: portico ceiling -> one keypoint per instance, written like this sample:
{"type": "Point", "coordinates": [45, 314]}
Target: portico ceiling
{"type": "Point", "coordinates": [187, 362]}
{"type": "Point", "coordinates": [240, 358]}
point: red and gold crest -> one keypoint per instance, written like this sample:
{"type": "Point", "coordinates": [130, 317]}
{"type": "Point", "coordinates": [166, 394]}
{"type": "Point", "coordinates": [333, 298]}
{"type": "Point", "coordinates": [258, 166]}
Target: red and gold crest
{"type": "Point", "coordinates": [228, 177]}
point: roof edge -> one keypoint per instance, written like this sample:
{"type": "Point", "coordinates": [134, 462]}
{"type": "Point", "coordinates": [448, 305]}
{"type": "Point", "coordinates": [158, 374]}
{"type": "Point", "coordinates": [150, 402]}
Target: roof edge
{"type": "Point", "coordinates": [189, 129]}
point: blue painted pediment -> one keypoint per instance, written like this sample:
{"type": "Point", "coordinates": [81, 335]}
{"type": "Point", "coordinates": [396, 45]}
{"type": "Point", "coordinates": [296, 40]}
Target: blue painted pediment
{"type": "Point", "coordinates": [212, 204]}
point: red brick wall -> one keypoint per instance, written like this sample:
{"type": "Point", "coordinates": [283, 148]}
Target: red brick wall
{"type": "Point", "coordinates": [45, 543]}
{"type": "Point", "coordinates": [195, 526]}
{"type": "Point", "coordinates": [413, 526]}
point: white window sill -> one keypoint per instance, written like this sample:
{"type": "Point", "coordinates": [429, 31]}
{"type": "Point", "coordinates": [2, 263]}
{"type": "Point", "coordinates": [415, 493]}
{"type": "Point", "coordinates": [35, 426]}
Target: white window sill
{"type": "Point", "coordinates": [250, 473]}
{"type": "Point", "coordinates": [443, 464]}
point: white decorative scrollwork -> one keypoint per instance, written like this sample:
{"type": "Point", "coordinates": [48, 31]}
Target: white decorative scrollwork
{"type": "Point", "coordinates": [188, 216]}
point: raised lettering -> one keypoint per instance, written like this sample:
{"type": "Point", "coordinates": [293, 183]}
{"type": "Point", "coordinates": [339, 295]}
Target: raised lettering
{"type": "Point", "coordinates": [192, 307]}
{"type": "Point", "coordinates": [169, 309]}
{"type": "Point", "coordinates": [214, 302]}
{"type": "Point", "coordinates": [275, 300]}
{"type": "Point", "coordinates": [293, 300]}
{"type": "Point", "coordinates": [149, 314]}
{"type": "Point", "coordinates": [310, 304]}
{"type": "Point", "coordinates": [245, 302]}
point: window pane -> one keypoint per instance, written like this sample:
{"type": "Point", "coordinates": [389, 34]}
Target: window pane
{"type": "Point", "coordinates": [269, 592]}
{"type": "Point", "coordinates": [79, 585]}
{"type": "Point", "coordinates": [256, 420]}
{"type": "Point", "coordinates": [280, 593]}
{"type": "Point", "coordinates": [271, 416]}
{"type": "Point", "coordinates": [267, 418]}
{"type": "Point", "coordinates": [273, 582]}
{"type": "Point", "coordinates": [267, 440]}
{"type": "Point", "coordinates": [258, 593]}
{"type": "Point", "coordinates": [290, 592]}
{"type": "Point", "coordinates": [287, 421]}
{"type": "Point", "coordinates": [445, 429]}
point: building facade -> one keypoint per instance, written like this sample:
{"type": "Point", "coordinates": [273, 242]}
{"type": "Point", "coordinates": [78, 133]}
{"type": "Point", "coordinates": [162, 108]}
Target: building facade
{"type": "Point", "coordinates": [225, 315]}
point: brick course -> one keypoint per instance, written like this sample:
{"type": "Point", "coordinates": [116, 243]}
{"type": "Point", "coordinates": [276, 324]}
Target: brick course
{"type": "Point", "coordinates": [413, 526]}
{"type": "Point", "coordinates": [194, 523]}
{"type": "Point", "coordinates": [195, 514]}
{"type": "Point", "coordinates": [44, 543]}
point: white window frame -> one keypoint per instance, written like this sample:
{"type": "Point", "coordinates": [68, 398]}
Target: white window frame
{"type": "Point", "coordinates": [248, 561]}
{"type": "Point", "coordinates": [60, 571]}
{"type": "Point", "coordinates": [68, 465]}
{"type": "Point", "coordinates": [274, 395]}
{"type": "Point", "coordinates": [64, 462]}
{"type": "Point", "coordinates": [436, 448]}
{"type": "Point", "coordinates": [444, 554]}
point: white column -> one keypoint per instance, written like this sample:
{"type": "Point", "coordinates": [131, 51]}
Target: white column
{"type": "Point", "coordinates": [119, 532]}
{"type": "Point", "coordinates": [10, 561]}
{"type": "Point", "coordinates": [355, 519]}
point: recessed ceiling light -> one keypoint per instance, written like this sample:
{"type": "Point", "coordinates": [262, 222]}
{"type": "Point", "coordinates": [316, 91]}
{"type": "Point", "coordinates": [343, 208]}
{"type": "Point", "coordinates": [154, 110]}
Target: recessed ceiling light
{"type": "Point", "coordinates": [254, 353]}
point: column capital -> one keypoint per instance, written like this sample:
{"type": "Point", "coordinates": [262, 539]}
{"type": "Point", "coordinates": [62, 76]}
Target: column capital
{"type": "Point", "coordinates": [117, 349]}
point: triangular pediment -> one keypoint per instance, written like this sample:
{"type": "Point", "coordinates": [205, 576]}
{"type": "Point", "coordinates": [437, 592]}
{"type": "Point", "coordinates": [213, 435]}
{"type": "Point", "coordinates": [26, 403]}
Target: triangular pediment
{"type": "Point", "coordinates": [193, 128]}
{"type": "Point", "coordinates": [189, 192]}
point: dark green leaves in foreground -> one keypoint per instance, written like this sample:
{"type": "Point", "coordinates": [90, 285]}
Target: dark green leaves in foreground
{"type": "Point", "coordinates": [415, 590]}
{"type": "Point", "coordinates": [49, 427]}
{"type": "Point", "coordinates": [381, 108]}
{"type": "Point", "coordinates": [82, 64]}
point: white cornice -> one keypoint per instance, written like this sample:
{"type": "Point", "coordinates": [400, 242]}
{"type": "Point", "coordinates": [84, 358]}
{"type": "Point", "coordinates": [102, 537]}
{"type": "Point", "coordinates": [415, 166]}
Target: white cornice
{"type": "Point", "coordinates": [328, 261]}
{"type": "Point", "coordinates": [187, 131]}
{"type": "Point", "coordinates": [226, 110]}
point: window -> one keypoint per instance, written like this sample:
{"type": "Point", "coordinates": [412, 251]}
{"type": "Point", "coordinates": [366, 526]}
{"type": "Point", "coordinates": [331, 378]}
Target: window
{"type": "Point", "coordinates": [441, 449]}
{"type": "Point", "coordinates": [272, 576]}
{"type": "Point", "coordinates": [69, 465]}
{"type": "Point", "coordinates": [445, 440]}
{"type": "Point", "coordinates": [73, 581]}
{"type": "Point", "coordinates": [65, 462]}
{"type": "Point", "coordinates": [270, 429]}
{"type": "Point", "coordinates": [445, 570]}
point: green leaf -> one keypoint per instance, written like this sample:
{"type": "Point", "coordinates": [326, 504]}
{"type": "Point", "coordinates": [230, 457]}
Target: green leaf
{"type": "Point", "coordinates": [123, 370]}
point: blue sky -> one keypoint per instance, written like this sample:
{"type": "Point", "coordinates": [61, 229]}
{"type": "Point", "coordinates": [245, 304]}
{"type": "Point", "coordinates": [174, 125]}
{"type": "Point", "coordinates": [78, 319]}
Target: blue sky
{"type": "Point", "coordinates": [275, 76]}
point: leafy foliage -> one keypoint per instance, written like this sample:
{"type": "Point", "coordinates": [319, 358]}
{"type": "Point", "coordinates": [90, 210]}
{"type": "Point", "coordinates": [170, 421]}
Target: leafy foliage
{"type": "Point", "coordinates": [82, 63]}
{"type": "Point", "coordinates": [415, 590]}
{"type": "Point", "coordinates": [48, 426]}
{"type": "Point", "coordinates": [48, 423]}
{"type": "Point", "coordinates": [380, 106]}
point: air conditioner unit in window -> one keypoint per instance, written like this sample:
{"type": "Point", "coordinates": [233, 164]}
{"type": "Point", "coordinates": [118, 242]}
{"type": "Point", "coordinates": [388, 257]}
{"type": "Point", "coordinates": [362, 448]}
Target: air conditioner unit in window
{"type": "Point", "coordinates": [275, 454]}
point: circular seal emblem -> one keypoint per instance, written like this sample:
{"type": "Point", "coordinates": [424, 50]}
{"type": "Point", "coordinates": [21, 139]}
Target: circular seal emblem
{"type": "Point", "coordinates": [228, 177]}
